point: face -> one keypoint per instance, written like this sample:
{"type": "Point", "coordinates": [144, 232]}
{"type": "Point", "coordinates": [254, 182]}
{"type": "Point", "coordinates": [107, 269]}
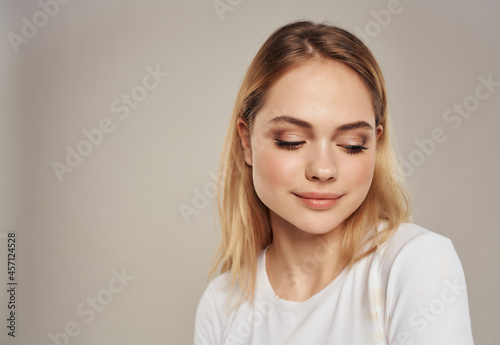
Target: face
{"type": "Point", "coordinates": [312, 147]}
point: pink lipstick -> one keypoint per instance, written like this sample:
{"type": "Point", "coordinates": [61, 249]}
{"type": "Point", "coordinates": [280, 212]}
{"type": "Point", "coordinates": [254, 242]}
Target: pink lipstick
{"type": "Point", "coordinates": [318, 200]}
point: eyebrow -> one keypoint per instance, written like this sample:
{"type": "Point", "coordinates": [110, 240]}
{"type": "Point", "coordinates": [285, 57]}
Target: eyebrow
{"type": "Point", "coordinates": [307, 125]}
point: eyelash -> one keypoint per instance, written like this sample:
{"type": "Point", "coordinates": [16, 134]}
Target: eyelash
{"type": "Point", "coordinates": [354, 149]}
{"type": "Point", "coordinates": [289, 145]}
{"type": "Point", "coordinates": [295, 145]}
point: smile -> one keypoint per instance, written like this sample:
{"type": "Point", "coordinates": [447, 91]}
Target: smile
{"type": "Point", "coordinates": [319, 200]}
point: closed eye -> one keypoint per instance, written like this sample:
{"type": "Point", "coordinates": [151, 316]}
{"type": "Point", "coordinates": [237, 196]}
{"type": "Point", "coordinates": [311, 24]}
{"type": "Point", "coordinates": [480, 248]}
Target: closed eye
{"type": "Point", "coordinates": [354, 149]}
{"type": "Point", "coordinates": [295, 145]}
{"type": "Point", "coordinates": [289, 145]}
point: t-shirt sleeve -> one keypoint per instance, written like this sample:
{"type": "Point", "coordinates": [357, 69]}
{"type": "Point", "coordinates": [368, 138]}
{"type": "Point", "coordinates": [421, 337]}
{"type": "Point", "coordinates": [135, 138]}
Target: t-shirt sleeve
{"type": "Point", "coordinates": [426, 297]}
{"type": "Point", "coordinates": [207, 320]}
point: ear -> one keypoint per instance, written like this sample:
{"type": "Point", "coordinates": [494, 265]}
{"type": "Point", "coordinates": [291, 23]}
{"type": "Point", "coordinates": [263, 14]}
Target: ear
{"type": "Point", "coordinates": [380, 130]}
{"type": "Point", "coordinates": [244, 133]}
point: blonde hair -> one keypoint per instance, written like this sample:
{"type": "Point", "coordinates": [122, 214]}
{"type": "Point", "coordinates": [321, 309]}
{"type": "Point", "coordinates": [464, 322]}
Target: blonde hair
{"type": "Point", "coordinates": [244, 219]}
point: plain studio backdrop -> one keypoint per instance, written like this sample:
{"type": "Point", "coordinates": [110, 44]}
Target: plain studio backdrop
{"type": "Point", "coordinates": [113, 118]}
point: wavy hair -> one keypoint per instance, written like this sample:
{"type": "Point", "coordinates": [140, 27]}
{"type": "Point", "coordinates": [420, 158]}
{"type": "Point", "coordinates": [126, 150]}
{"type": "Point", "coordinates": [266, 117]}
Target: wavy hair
{"type": "Point", "coordinates": [244, 219]}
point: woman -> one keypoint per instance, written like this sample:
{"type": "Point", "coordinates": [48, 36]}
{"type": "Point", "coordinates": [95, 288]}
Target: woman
{"type": "Point", "coordinates": [316, 248]}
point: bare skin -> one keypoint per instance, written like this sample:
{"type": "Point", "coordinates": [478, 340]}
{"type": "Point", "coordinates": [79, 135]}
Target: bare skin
{"type": "Point", "coordinates": [316, 133]}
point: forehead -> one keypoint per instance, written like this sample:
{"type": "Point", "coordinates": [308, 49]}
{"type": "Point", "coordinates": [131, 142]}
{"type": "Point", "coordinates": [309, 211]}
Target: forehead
{"type": "Point", "coordinates": [319, 91]}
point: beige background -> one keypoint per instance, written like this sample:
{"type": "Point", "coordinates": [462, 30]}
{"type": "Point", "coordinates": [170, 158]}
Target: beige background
{"type": "Point", "coordinates": [119, 209]}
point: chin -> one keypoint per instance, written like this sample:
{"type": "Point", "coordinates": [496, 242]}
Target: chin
{"type": "Point", "coordinates": [318, 229]}
{"type": "Point", "coordinates": [316, 223]}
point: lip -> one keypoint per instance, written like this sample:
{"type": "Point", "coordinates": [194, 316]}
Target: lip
{"type": "Point", "coordinates": [319, 200]}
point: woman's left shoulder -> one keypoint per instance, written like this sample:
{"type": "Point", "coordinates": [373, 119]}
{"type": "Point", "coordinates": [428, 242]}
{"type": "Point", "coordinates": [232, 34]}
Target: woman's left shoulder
{"type": "Point", "coordinates": [414, 253]}
{"type": "Point", "coordinates": [425, 288]}
{"type": "Point", "coordinates": [411, 239]}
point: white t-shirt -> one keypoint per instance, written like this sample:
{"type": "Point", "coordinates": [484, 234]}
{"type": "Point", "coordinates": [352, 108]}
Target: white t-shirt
{"type": "Point", "coordinates": [411, 291]}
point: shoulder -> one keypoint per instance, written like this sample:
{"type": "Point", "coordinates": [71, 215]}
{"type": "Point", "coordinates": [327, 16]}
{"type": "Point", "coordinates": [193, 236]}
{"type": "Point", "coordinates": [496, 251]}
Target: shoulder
{"type": "Point", "coordinates": [409, 234]}
{"type": "Point", "coordinates": [413, 247]}
{"type": "Point", "coordinates": [216, 308]}
{"type": "Point", "coordinates": [208, 322]}
{"type": "Point", "coordinates": [215, 294]}
{"type": "Point", "coordinates": [426, 294]}
{"type": "Point", "coordinates": [410, 246]}
{"type": "Point", "coordinates": [414, 253]}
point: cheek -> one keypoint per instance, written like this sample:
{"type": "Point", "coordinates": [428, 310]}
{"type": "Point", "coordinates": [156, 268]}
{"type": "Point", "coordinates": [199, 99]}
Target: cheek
{"type": "Point", "coordinates": [272, 168]}
{"type": "Point", "coordinates": [359, 173]}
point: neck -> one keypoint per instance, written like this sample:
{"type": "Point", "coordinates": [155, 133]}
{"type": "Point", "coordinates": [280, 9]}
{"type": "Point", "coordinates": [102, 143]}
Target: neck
{"type": "Point", "coordinates": [300, 264]}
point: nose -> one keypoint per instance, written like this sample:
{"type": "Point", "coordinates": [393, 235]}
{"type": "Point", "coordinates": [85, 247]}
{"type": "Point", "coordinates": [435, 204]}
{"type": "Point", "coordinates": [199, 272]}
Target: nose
{"type": "Point", "coordinates": [321, 164]}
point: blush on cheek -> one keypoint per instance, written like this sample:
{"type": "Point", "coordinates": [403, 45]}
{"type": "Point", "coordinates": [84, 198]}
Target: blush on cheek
{"type": "Point", "coordinates": [360, 175]}
{"type": "Point", "coordinates": [273, 171]}
{"type": "Point", "coordinates": [273, 166]}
